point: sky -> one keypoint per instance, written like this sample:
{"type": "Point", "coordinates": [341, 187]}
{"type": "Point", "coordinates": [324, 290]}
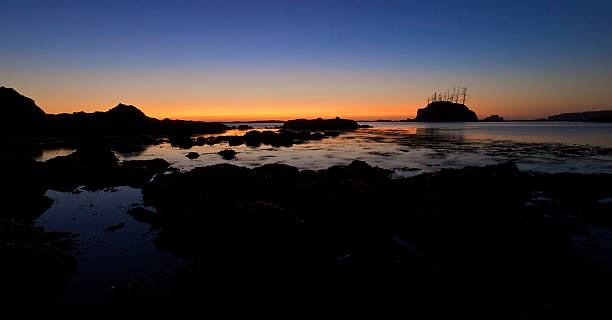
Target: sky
{"type": "Point", "coordinates": [254, 60]}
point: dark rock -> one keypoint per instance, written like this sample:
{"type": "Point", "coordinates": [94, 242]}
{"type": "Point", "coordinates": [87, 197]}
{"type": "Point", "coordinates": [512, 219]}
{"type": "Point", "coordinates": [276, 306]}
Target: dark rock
{"type": "Point", "coordinates": [96, 167]}
{"type": "Point", "coordinates": [279, 173]}
{"type": "Point", "coordinates": [36, 265]}
{"type": "Point", "coordinates": [181, 141]}
{"type": "Point", "coordinates": [227, 154]}
{"type": "Point", "coordinates": [115, 227]}
{"type": "Point", "coordinates": [317, 136]}
{"type": "Point", "coordinates": [354, 222]}
{"type": "Point", "coordinates": [156, 165]}
{"type": "Point", "coordinates": [28, 120]}
{"type": "Point", "coordinates": [321, 124]}
{"type": "Point", "coordinates": [22, 188]}
{"type": "Point", "coordinates": [192, 155]}
{"type": "Point", "coordinates": [16, 107]}
{"type": "Point", "coordinates": [493, 118]}
{"type": "Point", "coordinates": [20, 115]}
{"type": "Point", "coordinates": [137, 173]}
{"type": "Point", "coordinates": [92, 164]}
{"type": "Point", "coordinates": [445, 111]}
{"type": "Point", "coordinates": [589, 116]}
{"type": "Point", "coordinates": [244, 127]}
{"type": "Point", "coordinates": [143, 215]}
{"type": "Point", "coordinates": [235, 140]}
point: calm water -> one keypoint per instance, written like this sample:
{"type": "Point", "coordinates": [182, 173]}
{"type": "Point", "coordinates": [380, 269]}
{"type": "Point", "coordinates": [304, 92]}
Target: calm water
{"type": "Point", "coordinates": [412, 148]}
{"type": "Point", "coordinates": [126, 257]}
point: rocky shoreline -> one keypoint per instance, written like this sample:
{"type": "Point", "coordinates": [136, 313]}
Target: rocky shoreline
{"type": "Point", "coordinates": [507, 235]}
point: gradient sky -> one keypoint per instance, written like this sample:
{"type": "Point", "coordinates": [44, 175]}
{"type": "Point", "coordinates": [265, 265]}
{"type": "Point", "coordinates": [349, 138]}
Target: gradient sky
{"type": "Point", "coordinates": [239, 60]}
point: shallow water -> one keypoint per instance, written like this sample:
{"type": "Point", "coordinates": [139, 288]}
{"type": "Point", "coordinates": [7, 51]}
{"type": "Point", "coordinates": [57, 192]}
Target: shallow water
{"type": "Point", "coordinates": [411, 148]}
{"type": "Point", "coordinates": [111, 262]}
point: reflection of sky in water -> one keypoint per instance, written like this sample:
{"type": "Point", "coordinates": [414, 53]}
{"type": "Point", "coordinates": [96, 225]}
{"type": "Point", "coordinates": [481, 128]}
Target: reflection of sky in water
{"type": "Point", "coordinates": [411, 148]}
{"type": "Point", "coordinates": [107, 259]}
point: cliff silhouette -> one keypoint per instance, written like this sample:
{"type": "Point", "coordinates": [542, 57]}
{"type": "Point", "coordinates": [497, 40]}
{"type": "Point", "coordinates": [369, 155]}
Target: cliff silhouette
{"type": "Point", "coordinates": [446, 111]}
{"type": "Point", "coordinates": [23, 118]}
{"type": "Point", "coordinates": [16, 106]}
{"type": "Point", "coordinates": [588, 116]}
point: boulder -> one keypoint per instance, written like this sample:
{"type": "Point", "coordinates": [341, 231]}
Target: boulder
{"type": "Point", "coordinates": [192, 155]}
{"type": "Point", "coordinates": [227, 154]}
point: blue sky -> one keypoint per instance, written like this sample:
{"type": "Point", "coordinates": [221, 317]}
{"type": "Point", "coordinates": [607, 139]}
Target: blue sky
{"type": "Point", "coordinates": [490, 46]}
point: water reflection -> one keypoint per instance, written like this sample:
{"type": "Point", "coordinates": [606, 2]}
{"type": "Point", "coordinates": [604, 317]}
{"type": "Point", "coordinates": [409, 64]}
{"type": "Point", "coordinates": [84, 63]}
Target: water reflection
{"type": "Point", "coordinates": [411, 148]}
{"type": "Point", "coordinates": [115, 252]}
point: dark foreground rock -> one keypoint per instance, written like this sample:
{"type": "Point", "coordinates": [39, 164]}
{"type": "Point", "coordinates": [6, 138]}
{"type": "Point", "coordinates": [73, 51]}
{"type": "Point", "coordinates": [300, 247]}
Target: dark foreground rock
{"type": "Point", "coordinates": [445, 111]}
{"type": "Point", "coordinates": [36, 265]}
{"type": "Point", "coordinates": [470, 233]}
{"type": "Point", "coordinates": [474, 238]}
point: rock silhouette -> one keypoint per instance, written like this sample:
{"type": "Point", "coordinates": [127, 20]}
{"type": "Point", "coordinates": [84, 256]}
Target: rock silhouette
{"type": "Point", "coordinates": [16, 107]}
{"type": "Point", "coordinates": [193, 155]}
{"type": "Point", "coordinates": [227, 154]}
{"type": "Point", "coordinates": [445, 111]}
{"type": "Point", "coordinates": [22, 118]}
{"type": "Point", "coordinates": [589, 116]}
{"type": "Point", "coordinates": [321, 124]}
{"type": "Point", "coordinates": [493, 118]}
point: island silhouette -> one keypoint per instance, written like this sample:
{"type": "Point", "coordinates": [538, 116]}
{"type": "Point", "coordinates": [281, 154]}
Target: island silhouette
{"type": "Point", "coordinates": [446, 111]}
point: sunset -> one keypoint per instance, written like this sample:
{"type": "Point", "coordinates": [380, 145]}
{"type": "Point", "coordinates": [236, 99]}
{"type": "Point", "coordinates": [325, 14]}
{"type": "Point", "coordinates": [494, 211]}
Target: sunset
{"type": "Point", "coordinates": [224, 60]}
{"type": "Point", "coordinates": [166, 159]}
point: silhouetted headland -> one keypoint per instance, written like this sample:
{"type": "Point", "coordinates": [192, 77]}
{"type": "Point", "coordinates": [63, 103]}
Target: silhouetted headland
{"type": "Point", "coordinates": [588, 116]}
{"type": "Point", "coordinates": [23, 118]}
{"type": "Point", "coordinates": [445, 111]}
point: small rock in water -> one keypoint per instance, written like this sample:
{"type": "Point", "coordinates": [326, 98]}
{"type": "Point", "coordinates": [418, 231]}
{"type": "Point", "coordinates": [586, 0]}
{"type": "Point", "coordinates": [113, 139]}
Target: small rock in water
{"type": "Point", "coordinates": [116, 227]}
{"type": "Point", "coordinates": [192, 155]}
{"type": "Point", "coordinates": [227, 154]}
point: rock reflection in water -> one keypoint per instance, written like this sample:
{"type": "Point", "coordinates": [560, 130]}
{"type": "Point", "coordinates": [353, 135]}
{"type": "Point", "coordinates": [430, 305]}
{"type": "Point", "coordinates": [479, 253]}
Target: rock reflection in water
{"type": "Point", "coordinates": [411, 148]}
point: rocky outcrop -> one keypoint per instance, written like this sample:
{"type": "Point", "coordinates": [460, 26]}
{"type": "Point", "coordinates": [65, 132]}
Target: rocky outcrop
{"type": "Point", "coordinates": [255, 138]}
{"type": "Point", "coordinates": [493, 118]}
{"type": "Point", "coordinates": [16, 107]}
{"type": "Point", "coordinates": [193, 155]}
{"type": "Point", "coordinates": [321, 124]}
{"type": "Point", "coordinates": [21, 117]}
{"type": "Point", "coordinates": [227, 154]}
{"type": "Point", "coordinates": [445, 111]}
